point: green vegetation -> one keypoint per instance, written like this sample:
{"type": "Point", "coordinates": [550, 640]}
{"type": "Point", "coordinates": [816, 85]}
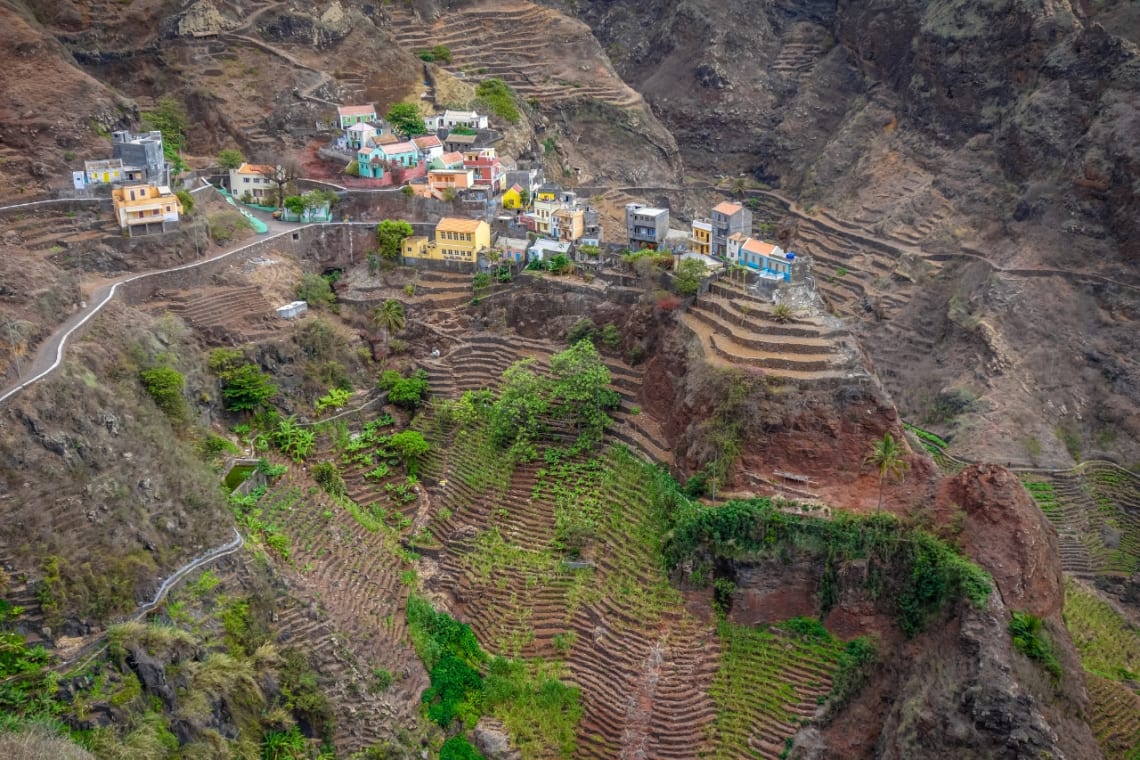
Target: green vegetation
{"type": "Point", "coordinates": [315, 290]}
{"type": "Point", "coordinates": [441, 53]}
{"type": "Point", "coordinates": [410, 446]}
{"type": "Point", "coordinates": [336, 398]}
{"type": "Point", "coordinates": [224, 226]}
{"type": "Point", "coordinates": [583, 329]}
{"type": "Point", "coordinates": [910, 569]}
{"type": "Point", "coordinates": [186, 200]}
{"type": "Point", "coordinates": [887, 457]}
{"type": "Point", "coordinates": [758, 681]}
{"type": "Point", "coordinates": [246, 388]}
{"type": "Point", "coordinates": [407, 392]}
{"type": "Point", "coordinates": [328, 477]}
{"type": "Point", "coordinates": [538, 710]}
{"type": "Point", "coordinates": [260, 522]}
{"type": "Point", "coordinates": [1108, 644]}
{"type": "Point", "coordinates": [165, 385]}
{"type": "Point", "coordinates": [406, 119]}
{"type": "Point", "coordinates": [1043, 493]}
{"type": "Point", "coordinates": [389, 316]}
{"type": "Point", "coordinates": [1031, 639]}
{"type": "Point", "coordinates": [390, 235]}
{"type": "Point", "coordinates": [499, 99]}
{"type": "Point", "coordinates": [169, 118]}
{"type": "Point", "coordinates": [230, 158]}
{"type": "Point", "coordinates": [782, 313]}
{"type": "Point", "coordinates": [688, 276]}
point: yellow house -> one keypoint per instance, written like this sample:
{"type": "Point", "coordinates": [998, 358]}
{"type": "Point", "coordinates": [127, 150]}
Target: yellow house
{"type": "Point", "coordinates": [456, 239]}
{"type": "Point", "coordinates": [512, 198]}
{"type": "Point", "coordinates": [701, 239]}
{"type": "Point", "coordinates": [568, 224]}
{"type": "Point", "coordinates": [145, 209]}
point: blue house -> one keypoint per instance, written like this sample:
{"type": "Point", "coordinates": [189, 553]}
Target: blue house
{"type": "Point", "coordinates": [768, 260]}
{"type": "Point", "coordinates": [402, 153]}
{"type": "Point", "coordinates": [370, 162]}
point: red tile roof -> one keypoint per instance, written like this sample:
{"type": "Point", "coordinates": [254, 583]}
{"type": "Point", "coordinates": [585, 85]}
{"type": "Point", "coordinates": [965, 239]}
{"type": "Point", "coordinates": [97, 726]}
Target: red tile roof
{"type": "Point", "coordinates": [728, 208]}
{"type": "Point", "coordinates": [356, 110]}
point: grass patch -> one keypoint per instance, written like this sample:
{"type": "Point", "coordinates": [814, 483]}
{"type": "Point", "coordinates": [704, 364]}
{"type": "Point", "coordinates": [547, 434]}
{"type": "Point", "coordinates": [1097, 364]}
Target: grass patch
{"type": "Point", "coordinates": [1031, 639]}
{"type": "Point", "coordinates": [1108, 644]}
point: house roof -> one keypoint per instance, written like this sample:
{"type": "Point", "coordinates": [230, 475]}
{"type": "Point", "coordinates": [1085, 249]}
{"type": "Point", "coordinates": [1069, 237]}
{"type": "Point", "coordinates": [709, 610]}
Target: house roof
{"type": "Point", "coordinates": [361, 127]}
{"type": "Point", "coordinates": [752, 245]}
{"type": "Point", "coordinates": [255, 169]}
{"type": "Point", "coordinates": [454, 157]}
{"type": "Point", "coordinates": [462, 139]}
{"type": "Point", "coordinates": [427, 141]}
{"type": "Point", "coordinates": [727, 208]}
{"type": "Point", "coordinates": [450, 114]}
{"type": "Point", "coordinates": [356, 110]}
{"type": "Point", "coordinates": [542, 244]}
{"type": "Point", "coordinates": [739, 237]}
{"type": "Point", "coordinates": [517, 244]}
{"type": "Point", "coordinates": [103, 163]}
{"type": "Point", "coordinates": [457, 224]}
{"type": "Point", "coordinates": [516, 188]}
{"type": "Point", "coordinates": [385, 139]}
{"type": "Point", "coordinates": [397, 148]}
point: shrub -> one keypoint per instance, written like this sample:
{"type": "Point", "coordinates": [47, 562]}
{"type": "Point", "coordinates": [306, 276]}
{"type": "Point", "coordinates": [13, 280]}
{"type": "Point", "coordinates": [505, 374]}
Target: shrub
{"type": "Point", "coordinates": [499, 98]}
{"type": "Point", "coordinates": [610, 335]}
{"type": "Point", "coordinates": [223, 226]}
{"type": "Point", "coordinates": [230, 158]}
{"type": "Point", "coordinates": [583, 329]}
{"type": "Point", "coordinates": [406, 119]}
{"type": "Point", "coordinates": [353, 168]}
{"type": "Point", "coordinates": [165, 384]}
{"type": "Point", "coordinates": [407, 392]}
{"type": "Point", "coordinates": [688, 276]}
{"type": "Point", "coordinates": [247, 389]}
{"type": "Point", "coordinates": [334, 399]}
{"type": "Point", "coordinates": [1031, 639]}
{"type": "Point", "coordinates": [315, 290]}
{"type": "Point", "coordinates": [187, 201]}
{"type": "Point", "coordinates": [390, 235]}
{"type": "Point", "coordinates": [409, 445]}
{"type": "Point", "coordinates": [327, 476]}
{"type": "Point", "coordinates": [782, 313]}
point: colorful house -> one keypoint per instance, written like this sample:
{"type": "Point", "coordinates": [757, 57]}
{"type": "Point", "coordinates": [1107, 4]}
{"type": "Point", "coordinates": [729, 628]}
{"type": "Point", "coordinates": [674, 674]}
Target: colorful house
{"type": "Point", "coordinates": [370, 161]}
{"type": "Point", "coordinates": [512, 197]}
{"type": "Point", "coordinates": [255, 181]}
{"type": "Point", "coordinates": [105, 171]}
{"type": "Point", "coordinates": [646, 227]}
{"type": "Point", "coordinates": [456, 240]}
{"type": "Point", "coordinates": [487, 167]}
{"type": "Point", "coordinates": [514, 249]}
{"type": "Point", "coordinates": [402, 153]}
{"type": "Point", "coordinates": [349, 115]}
{"type": "Point", "coordinates": [701, 239]}
{"type": "Point", "coordinates": [450, 179]}
{"type": "Point", "coordinates": [453, 160]}
{"type": "Point", "coordinates": [146, 209]}
{"type": "Point", "coordinates": [568, 224]}
{"type": "Point", "coordinates": [768, 260]}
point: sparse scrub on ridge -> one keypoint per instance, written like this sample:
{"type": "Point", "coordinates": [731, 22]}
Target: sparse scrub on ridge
{"type": "Point", "coordinates": [498, 98]}
{"type": "Point", "coordinates": [1032, 640]}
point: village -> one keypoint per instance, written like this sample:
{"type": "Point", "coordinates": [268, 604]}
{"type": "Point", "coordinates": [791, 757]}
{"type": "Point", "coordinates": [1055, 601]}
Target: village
{"type": "Point", "coordinates": [512, 213]}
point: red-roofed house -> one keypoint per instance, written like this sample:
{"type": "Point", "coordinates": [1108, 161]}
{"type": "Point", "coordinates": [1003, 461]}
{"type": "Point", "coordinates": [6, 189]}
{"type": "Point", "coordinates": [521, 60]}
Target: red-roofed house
{"type": "Point", "coordinates": [350, 115]}
{"type": "Point", "coordinates": [430, 147]}
{"type": "Point", "coordinates": [766, 259]}
{"type": "Point", "coordinates": [487, 167]}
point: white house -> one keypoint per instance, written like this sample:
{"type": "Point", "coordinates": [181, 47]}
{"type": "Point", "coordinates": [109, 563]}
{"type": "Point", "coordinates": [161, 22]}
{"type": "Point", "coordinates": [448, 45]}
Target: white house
{"type": "Point", "coordinates": [429, 146]}
{"type": "Point", "coordinates": [253, 179]}
{"type": "Point", "coordinates": [544, 249]}
{"type": "Point", "coordinates": [450, 119]}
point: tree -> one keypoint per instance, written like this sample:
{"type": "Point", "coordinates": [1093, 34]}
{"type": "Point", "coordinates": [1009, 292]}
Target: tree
{"type": "Point", "coordinates": [887, 457]}
{"type": "Point", "coordinates": [687, 278]}
{"type": "Point", "coordinates": [230, 158]}
{"type": "Point", "coordinates": [580, 390]}
{"type": "Point", "coordinates": [516, 417]}
{"type": "Point", "coordinates": [187, 201]}
{"type": "Point", "coordinates": [295, 204]}
{"type": "Point", "coordinates": [406, 119]}
{"type": "Point", "coordinates": [281, 176]}
{"type": "Point", "coordinates": [247, 389]}
{"type": "Point", "coordinates": [409, 445]}
{"type": "Point", "coordinates": [389, 316]}
{"type": "Point", "coordinates": [390, 235]}
{"type": "Point", "coordinates": [407, 392]}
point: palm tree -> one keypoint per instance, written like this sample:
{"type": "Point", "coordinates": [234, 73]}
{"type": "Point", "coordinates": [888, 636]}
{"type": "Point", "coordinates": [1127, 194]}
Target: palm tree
{"type": "Point", "coordinates": [737, 186]}
{"type": "Point", "coordinates": [887, 457]}
{"type": "Point", "coordinates": [389, 316]}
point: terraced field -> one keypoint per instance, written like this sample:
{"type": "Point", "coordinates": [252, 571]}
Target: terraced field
{"type": "Point", "coordinates": [347, 580]}
{"type": "Point", "coordinates": [736, 328]}
{"type": "Point", "coordinates": [1109, 646]}
{"type": "Point", "coordinates": [536, 51]}
{"type": "Point", "coordinates": [1096, 510]}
